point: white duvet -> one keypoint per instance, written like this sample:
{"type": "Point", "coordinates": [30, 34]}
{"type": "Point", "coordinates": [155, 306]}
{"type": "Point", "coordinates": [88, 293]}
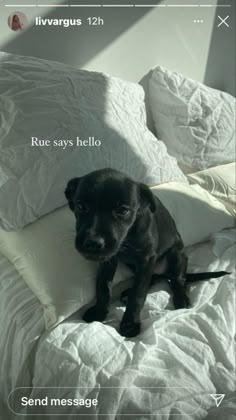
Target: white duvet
{"type": "Point", "coordinates": [168, 371]}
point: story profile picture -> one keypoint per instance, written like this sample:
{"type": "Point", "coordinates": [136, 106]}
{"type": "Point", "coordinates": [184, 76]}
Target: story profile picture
{"type": "Point", "coordinates": [17, 21]}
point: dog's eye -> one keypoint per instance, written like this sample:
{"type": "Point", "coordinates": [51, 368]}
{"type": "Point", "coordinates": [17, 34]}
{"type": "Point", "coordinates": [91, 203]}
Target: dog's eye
{"type": "Point", "coordinates": [122, 211]}
{"type": "Point", "coordinates": [81, 207]}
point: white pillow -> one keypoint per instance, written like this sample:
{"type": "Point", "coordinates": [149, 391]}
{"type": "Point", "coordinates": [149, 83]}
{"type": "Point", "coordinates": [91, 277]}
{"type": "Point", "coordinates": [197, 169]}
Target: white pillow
{"type": "Point", "coordinates": [45, 256]}
{"type": "Point", "coordinates": [197, 123]}
{"type": "Point", "coordinates": [52, 101]}
{"type": "Point", "coordinates": [64, 282]}
{"type": "Point", "coordinates": [196, 213]}
{"type": "Point", "coordinates": [220, 181]}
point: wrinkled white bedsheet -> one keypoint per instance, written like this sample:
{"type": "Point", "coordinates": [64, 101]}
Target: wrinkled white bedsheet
{"type": "Point", "coordinates": [171, 368]}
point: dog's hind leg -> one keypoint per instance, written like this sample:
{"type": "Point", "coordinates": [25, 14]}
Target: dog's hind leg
{"type": "Point", "coordinates": [125, 294]}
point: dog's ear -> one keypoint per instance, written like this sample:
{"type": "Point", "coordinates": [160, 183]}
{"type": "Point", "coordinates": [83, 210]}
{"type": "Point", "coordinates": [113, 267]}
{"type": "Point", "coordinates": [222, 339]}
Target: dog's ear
{"type": "Point", "coordinates": [147, 198]}
{"type": "Point", "coordinates": [70, 191]}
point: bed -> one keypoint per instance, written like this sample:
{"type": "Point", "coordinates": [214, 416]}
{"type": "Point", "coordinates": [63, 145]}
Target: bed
{"type": "Point", "coordinates": [173, 367]}
{"type": "Point", "coordinates": [182, 359]}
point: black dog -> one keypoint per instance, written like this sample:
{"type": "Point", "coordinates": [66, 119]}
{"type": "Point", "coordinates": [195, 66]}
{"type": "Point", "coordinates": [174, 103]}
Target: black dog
{"type": "Point", "coordinates": [119, 219]}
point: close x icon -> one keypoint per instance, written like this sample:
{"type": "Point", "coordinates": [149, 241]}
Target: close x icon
{"type": "Point", "coordinates": [223, 21]}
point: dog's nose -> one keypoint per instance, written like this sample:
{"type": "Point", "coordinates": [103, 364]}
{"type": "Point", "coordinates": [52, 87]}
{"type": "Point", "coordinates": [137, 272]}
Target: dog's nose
{"type": "Point", "coordinates": [94, 244]}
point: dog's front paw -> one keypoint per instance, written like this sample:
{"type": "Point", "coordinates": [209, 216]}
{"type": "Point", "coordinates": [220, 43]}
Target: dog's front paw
{"type": "Point", "coordinates": [129, 328]}
{"type": "Point", "coordinates": [94, 314]}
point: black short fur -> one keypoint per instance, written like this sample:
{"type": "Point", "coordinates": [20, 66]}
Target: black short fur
{"type": "Point", "coordinates": [118, 219]}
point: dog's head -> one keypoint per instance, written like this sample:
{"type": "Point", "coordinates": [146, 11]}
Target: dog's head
{"type": "Point", "coordinates": [106, 204]}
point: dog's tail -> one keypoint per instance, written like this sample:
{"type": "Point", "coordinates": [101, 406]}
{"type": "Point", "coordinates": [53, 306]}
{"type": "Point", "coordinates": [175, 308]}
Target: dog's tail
{"type": "Point", "coordinates": [192, 277]}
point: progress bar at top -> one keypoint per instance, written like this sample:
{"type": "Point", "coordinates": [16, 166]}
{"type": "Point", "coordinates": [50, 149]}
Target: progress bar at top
{"type": "Point", "coordinates": [118, 5]}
